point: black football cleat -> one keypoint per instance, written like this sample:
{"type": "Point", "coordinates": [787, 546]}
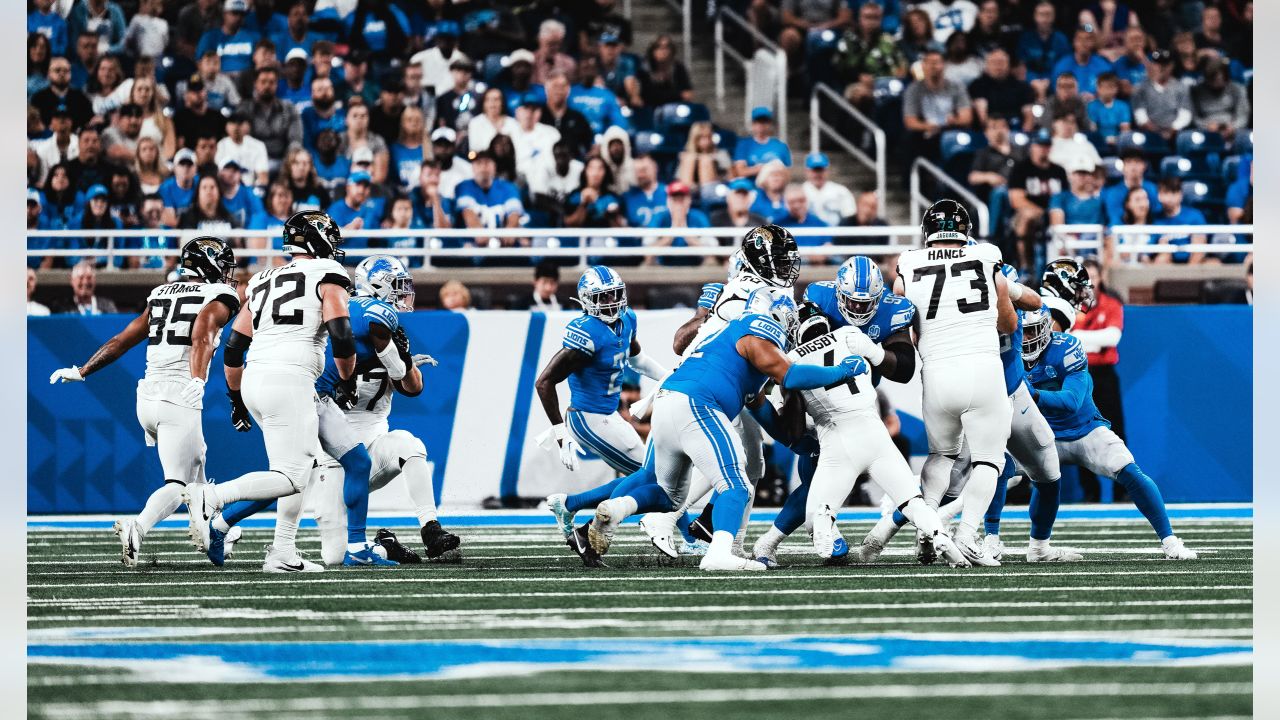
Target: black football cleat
{"type": "Point", "coordinates": [702, 527]}
{"type": "Point", "coordinates": [438, 541]}
{"type": "Point", "coordinates": [579, 543]}
{"type": "Point", "coordinates": [396, 551]}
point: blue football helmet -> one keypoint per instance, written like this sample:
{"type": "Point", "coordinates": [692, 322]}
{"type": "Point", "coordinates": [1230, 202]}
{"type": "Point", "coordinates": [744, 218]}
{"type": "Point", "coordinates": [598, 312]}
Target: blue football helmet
{"type": "Point", "coordinates": [859, 286]}
{"type": "Point", "coordinates": [602, 293]}
{"type": "Point", "coordinates": [778, 304]}
{"type": "Point", "coordinates": [384, 277]}
{"type": "Point", "coordinates": [1037, 331]}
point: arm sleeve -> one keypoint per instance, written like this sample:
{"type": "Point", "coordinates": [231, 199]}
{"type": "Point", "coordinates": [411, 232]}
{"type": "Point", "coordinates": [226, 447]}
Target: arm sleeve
{"type": "Point", "coordinates": [340, 336]}
{"type": "Point", "coordinates": [233, 355]}
{"type": "Point", "coordinates": [808, 377]}
{"type": "Point", "coordinates": [391, 360]}
{"type": "Point", "coordinates": [1075, 390]}
{"type": "Point", "coordinates": [1103, 338]}
{"type": "Point", "coordinates": [647, 366]}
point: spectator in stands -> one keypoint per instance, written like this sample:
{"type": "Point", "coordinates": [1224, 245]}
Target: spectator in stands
{"type": "Point", "coordinates": [264, 55]}
{"type": "Point", "coordinates": [123, 197]}
{"type": "Point", "coordinates": [771, 183]}
{"type": "Point", "coordinates": [453, 169]}
{"type": "Point", "coordinates": [34, 309]}
{"type": "Point", "coordinates": [1041, 47]}
{"type": "Point", "coordinates": [1032, 184]}
{"type": "Point", "coordinates": [1210, 36]}
{"type": "Point", "coordinates": [997, 91]}
{"type": "Point", "coordinates": [120, 141]}
{"type": "Point", "coordinates": [96, 216]}
{"type": "Point", "coordinates": [400, 216]}
{"type": "Point", "coordinates": [179, 189]}
{"type": "Point", "coordinates": [993, 163]}
{"type": "Point", "coordinates": [90, 168]}
{"type": "Point", "coordinates": [802, 20]}
{"type": "Point", "coordinates": [1175, 212]}
{"type": "Point", "coordinates": [492, 120]}
{"type": "Point", "coordinates": [38, 55]}
{"type": "Point", "coordinates": [429, 206]}
{"type": "Point", "coordinates": [1131, 67]}
{"type": "Point", "coordinates": [1099, 328]}
{"type": "Point", "coordinates": [988, 32]}
{"type": "Point", "coordinates": [60, 93]}
{"type": "Point", "coordinates": [702, 161]}
{"type": "Point", "coordinates": [1070, 146]}
{"type": "Point", "coordinates": [151, 216]}
{"type": "Point", "coordinates": [1083, 62]}
{"type": "Point", "coordinates": [195, 119]}
{"type": "Point", "coordinates": [1136, 210]}
{"type": "Point", "coordinates": [407, 153]}
{"type": "Point", "coordinates": [830, 201]}
{"type": "Point", "coordinates": [193, 21]}
{"type": "Point", "coordinates": [932, 105]}
{"type": "Point", "coordinates": [455, 296]}
{"type": "Point", "coordinates": [866, 214]}
{"type": "Point", "coordinates": [1081, 203]}
{"type": "Point", "coordinates": [504, 156]}
{"type": "Point", "coordinates": [275, 122]}
{"type": "Point", "coordinates": [249, 153]}
{"type": "Point", "coordinates": [46, 22]}
{"type": "Point", "coordinates": [549, 57]}
{"type": "Point", "coordinates": [357, 138]}
{"type": "Point", "coordinates": [232, 41]}
{"type": "Point", "coordinates": [104, 82]}
{"type": "Point", "coordinates": [616, 147]}
{"type": "Point", "coordinates": [84, 300]}
{"type": "Point", "coordinates": [156, 123]}
{"type": "Point", "coordinates": [798, 216]}
{"type": "Point", "coordinates": [487, 201]}
{"type": "Point", "coordinates": [1240, 196]}
{"type": "Point", "coordinates": [737, 211]}
{"type": "Point", "coordinates": [384, 117]}
{"type": "Point", "coordinates": [647, 196]}
{"type": "Point", "coordinates": [456, 107]}
{"type": "Point", "coordinates": [553, 179]}
{"type": "Point", "coordinates": [917, 35]}
{"type": "Point", "coordinates": [664, 79]}
{"type": "Point", "coordinates": [436, 61]}
{"type": "Point", "coordinates": [1109, 22]}
{"type": "Point", "coordinates": [591, 205]}
{"type": "Point", "coordinates": [678, 214]}
{"type": "Point", "coordinates": [519, 80]}
{"type": "Point", "coordinates": [1161, 105]}
{"type": "Point", "coordinates": [1218, 104]}
{"type": "Point", "coordinates": [63, 145]}
{"type": "Point", "coordinates": [238, 200]}
{"type": "Point", "coordinates": [542, 298]}
{"type": "Point", "coordinates": [147, 166]}
{"type": "Point", "coordinates": [357, 83]}
{"type": "Point", "coordinates": [414, 95]}
{"type": "Point", "coordinates": [593, 99]}
{"type": "Point", "coordinates": [61, 201]}
{"type": "Point", "coordinates": [276, 211]}
{"type": "Point", "coordinates": [1065, 98]}
{"type": "Point", "coordinates": [220, 89]}
{"type": "Point", "coordinates": [324, 111]}
{"type": "Point", "coordinates": [867, 52]}
{"type": "Point", "coordinates": [37, 220]}
{"type": "Point", "coordinates": [354, 211]}
{"type": "Point", "coordinates": [297, 32]}
{"type": "Point", "coordinates": [294, 87]}
{"type": "Point", "coordinates": [103, 18]}
{"type": "Point", "coordinates": [378, 28]}
{"type": "Point", "coordinates": [1109, 114]}
{"type": "Point", "coordinates": [569, 123]}
{"type": "Point", "coordinates": [761, 147]}
{"type": "Point", "coordinates": [1133, 172]}
{"type": "Point", "coordinates": [533, 139]}
{"type": "Point", "coordinates": [86, 58]}
{"type": "Point", "coordinates": [962, 64]}
{"type": "Point", "coordinates": [619, 69]}
{"type": "Point", "coordinates": [949, 16]}
{"type": "Point", "coordinates": [299, 175]}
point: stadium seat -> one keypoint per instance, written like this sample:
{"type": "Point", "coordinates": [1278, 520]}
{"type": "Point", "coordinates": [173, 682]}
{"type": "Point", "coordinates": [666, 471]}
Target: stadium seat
{"type": "Point", "coordinates": [1243, 144]}
{"type": "Point", "coordinates": [641, 118]}
{"type": "Point", "coordinates": [711, 196]}
{"type": "Point", "coordinates": [1231, 168]}
{"type": "Point", "coordinates": [1147, 143]}
{"type": "Point", "coordinates": [958, 147]}
{"type": "Point", "coordinates": [1218, 291]}
{"type": "Point", "coordinates": [888, 88]}
{"type": "Point", "coordinates": [491, 67]}
{"type": "Point", "coordinates": [1205, 196]}
{"type": "Point", "coordinates": [1203, 149]}
{"type": "Point", "coordinates": [1175, 166]}
{"type": "Point", "coordinates": [725, 138]}
{"type": "Point", "coordinates": [1113, 168]}
{"type": "Point", "coordinates": [674, 116]}
{"type": "Point", "coordinates": [1177, 292]}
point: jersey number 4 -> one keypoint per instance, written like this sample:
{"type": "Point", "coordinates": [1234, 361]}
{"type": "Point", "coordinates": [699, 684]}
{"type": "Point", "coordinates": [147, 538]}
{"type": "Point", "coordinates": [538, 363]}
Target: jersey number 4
{"type": "Point", "coordinates": [167, 310]}
{"type": "Point", "coordinates": [829, 359]}
{"type": "Point", "coordinates": [939, 273]}
{"type": "Point", "coordinates": [263, 290]}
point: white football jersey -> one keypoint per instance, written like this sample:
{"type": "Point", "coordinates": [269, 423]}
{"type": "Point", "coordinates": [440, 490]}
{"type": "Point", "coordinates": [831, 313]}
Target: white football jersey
{"type": "Point", "coordinates": [288, 327]}
{"type": "Point", "coordinates": [730, 304]}
{"type": "Point", "coordinates": [373, 403]}
{"type": "Point", "coordinates": [954, 291]}
{"type": "Point", "coordinates": [856, 397]}
{"type": "Point", "coordinates": [172, 310]}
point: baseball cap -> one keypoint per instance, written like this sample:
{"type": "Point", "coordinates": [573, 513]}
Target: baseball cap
{"type": "Point", "coordinates": [677, 188]}
{"type": "Point", "coordinates": [229, 163]}
{"type": "Point", "coordinates": [463, 63]}
{"type": "Point", "coordinates": [444, 134]}
{"type": "Point", "coordinates": [742, 185]}
{"type": "Point", "coordinates": [761, 113]}
{"type": "Point", "coordinates": [1161, 57]}
{"type": "Point", "coordinates": [297, 54]}
{"type": "Point", "coordinates": [817, 161]}
{"type": "Point", "coordinates": [195, 82]}
{"type": "Point", "coordinates": [235, 6]}
{"type": "Point", "coordinates": [185, 155]}
{"type": "Point", "coordinates": [609, 37]}
{"type": "Point", "coordinates": [361, 155]}
{"type": "Point", "coordinates": [96, 191]}
{"type": "Point", "coordinates": [448, 27]}
{"type": "Point", "coordinates": [33, 196]}
{"type": "Point", "coordinates": [360, 176]}
{"type": "Point", "coordinates": [530, 100]}
{"type": "Point", "coordinates": [520, 55]}
{"type": "Point", "coordinates": [1042, 137]}
{"type": "Point", "coordinates": [1082, 164]}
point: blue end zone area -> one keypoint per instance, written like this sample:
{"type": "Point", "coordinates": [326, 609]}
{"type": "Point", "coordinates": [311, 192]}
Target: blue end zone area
{"type": "Point", "coordinates": [1235, 511]}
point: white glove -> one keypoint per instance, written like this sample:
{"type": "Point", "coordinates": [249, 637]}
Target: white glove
{"type": "Point", "coordinates": [641, 408]}
{"type": "Point", "coordinates": [420, 360]}
{"type": "Point", "coordinates": [860, 344]}
{"type": "Point", "coordinates": [66, 375]}
{"type": "Point", "coordinates": [193, 392]}
{"type": "Point", "coordinates": [568, 447]}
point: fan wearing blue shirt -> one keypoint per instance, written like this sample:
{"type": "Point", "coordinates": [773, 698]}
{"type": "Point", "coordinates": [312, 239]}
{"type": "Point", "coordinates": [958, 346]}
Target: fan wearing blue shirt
{"type": "Point", "coordinates": [178, 190]}
{"type": "Point", "coordinates": [355, 211]}
{"type": "Point", "coordinates": [596, 102]}
{"type": "Point", "coordinates": [1175, 213]}
{"type": "Point", "coordinates": [1084, 62]}
{"type": "Point", "coordinates": [379, 28]}
{"type": "Point", "coordinates": [619, 69]}
{"type": "Point", "coordinates": [296, 33]}
{"type": "Point", "coordinates": [1081, 204]}
{"type": "Point", "coordinates": [1040, 47]}
{"type": "Point", "coordinates": [488, 201]}
{"type": "Point", "coordinates": [680, 213]}
{"type": "Point", "coordinates": [770, 202]}
{"type": "Point", "coordinates": [644, 200]}
{"type": "Point", "coordinates": [760, 147]}
{"type": "Point", "coordinates": [265, 24]}
{"type": "Point", "coordinates": [236, 198]}
{"type": "Point", "coordinates": [1109, 114]}
{"type": "Point", "coordinates": [1133, 171]}
{"type": "Point", "coordinates": [50, 24]}
{"type": "Point", "coordinates": [232, 41]}
{"type": "Point", "coordinates": [798, 216]}
{"type": "Point", "coordinates": [324, 112]}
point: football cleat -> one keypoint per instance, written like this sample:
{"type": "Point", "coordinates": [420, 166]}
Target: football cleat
{"type": "Point", "coordinates": [1174, 549]}
{"type": "Point", "coordinates": [396, 552]}
{"type": "Point", "coordinates": [967, 541]}
{"type": "Point", "coordinates": [702, 528]}
{"type": "Point", "coordinates": [564, 518]}
{"type": "Point", "coordinates": [215, 547]}
{"type": "Point", "coordinates": [438, 541]}
{"type": "Point", "coordinates": [661, 529]}
{"type": "Point", "coordinates": [868, 552]}
{"type": "Point", "coordinates": [995, 548]}
{"type": "Point", "coordinates": [198, 514]}
{"type": "Point", "coordinates": [600, 530]}
{"type": "Point", "coordinates": [713, 562]}
{"type": "Point", "coordinates": [368, 556]}
{"type": "Point", "coordinates": [1044, 552]}
{"type": "Point", "coordinates": [926, 554]}
{"type": "Point", "coordinates": [285, 560]}
{"type": "Point", "coordinates": [130, 541]}
{"type": "Point", "coordinates": [579, 542]}
{"type": "Point", "coordinates": [824, 532]}
{"type": "Point", "coordinates": [766, 552]}
{"type": "Point", "coordinates": [948, 551]}
{"type": "Point", "coordinates": [696, 548]}
{"type": "Point", "coordinates": [229, 542]}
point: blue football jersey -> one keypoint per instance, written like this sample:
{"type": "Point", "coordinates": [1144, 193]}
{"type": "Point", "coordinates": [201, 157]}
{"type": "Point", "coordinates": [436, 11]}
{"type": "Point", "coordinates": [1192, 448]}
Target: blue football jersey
{"type": "Point", "coordinates": [893, 312]}
{"type": "Point", "coordinates": [595, 388]}
{"type": "Point", "coordinates": [365, 311]}
{"type": "Point", "coordinates": [1063, 369]}
{"type": "Point", "coordinates": [1011, 356]}
{"type": "Point", "coordinates": [716, 374]}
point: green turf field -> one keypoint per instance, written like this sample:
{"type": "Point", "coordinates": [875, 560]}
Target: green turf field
{"type": "Point", "coordinates": [520, 629]}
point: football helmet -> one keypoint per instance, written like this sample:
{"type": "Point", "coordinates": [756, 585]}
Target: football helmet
{"type": "Point", "coordinates": [811, 323]}
{"type": "Point", "coordinates": [859, 285]}
{"type": "Point", "coordinates": [770, 252]}
{"type": "Point", "coordinates": [1066, 278]}
{"type": "Point", "coordinates": [1037, 331]}
{"type": "Point", "coordinates": [736, 265]}
{"type": "Point", "coordinates": [313, 233]}
{"type": "Point", "coordinates": [946, 221]}
{"type": "Point", "coordinates": [384, 277]}
{"type": "Point", "coordinates": [778, 304]}
{"type": "Point", "coordinates": [602, 293]}
{"type": "Point", "coordinates": [208, 259]}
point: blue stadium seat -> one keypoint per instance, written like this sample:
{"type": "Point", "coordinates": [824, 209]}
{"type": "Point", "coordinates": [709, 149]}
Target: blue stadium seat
{"type": "Point", "coordinates": [1175, 166]}
{"type": "Point", "coordinates": [679, 116]}
{"type": "Point", "coordinates": [491, 67]}
{"type": "Point", "coordinates": [1243, 144]}
{"type": "Point", "coordinates": [712, 196]}
{"type": "Point", "coordinates": [888, 88]}
{"type": "Point", "coordinates": [958, 147]}
{"type": "Point", "coordinates": [725, 138]}
{"type": "Point", "coordinates": [1148, 143]}
{"type": "Point", "coordinates": [1205, 196]}
{"type": "Point", "coordinates": [1113, 169]}
{"type": "Point", "coordinates": [1203, 149]}
{"type": "Point", "coordinates": [1231, 168]}
{"type": "Point", "coordinates": [641, 118]}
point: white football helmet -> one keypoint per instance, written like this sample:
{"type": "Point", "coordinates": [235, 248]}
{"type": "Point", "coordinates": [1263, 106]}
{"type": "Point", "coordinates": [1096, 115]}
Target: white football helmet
{"type": "Point", "coordinates": [1037, 331]}
{"type": "Point", "coordinates": [384, 277]}
{"type": "Point", "coordinates": [778, 304]}
{"type": "Point", "coordinates": [859, 285]}
{"type": "Point", "coordinates": [602, 293]}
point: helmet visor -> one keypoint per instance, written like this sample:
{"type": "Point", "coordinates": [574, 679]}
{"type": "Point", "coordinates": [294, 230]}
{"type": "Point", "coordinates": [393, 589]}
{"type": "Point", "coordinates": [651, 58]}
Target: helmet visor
{"type": "Point", "coordinates": [1035, 338]}
{"type": "Point", "coordinates": [402, 293]}
{"type": "Point", "coordinates": [606, 304]}
{"type": "Point", "coordinates": [857, 308]}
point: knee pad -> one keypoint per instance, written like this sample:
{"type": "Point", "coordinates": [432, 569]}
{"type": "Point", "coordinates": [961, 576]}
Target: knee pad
{"type": "Point", "coordinates": [357, 461]}
{"type": "Point", "coordinates": [404, 445]}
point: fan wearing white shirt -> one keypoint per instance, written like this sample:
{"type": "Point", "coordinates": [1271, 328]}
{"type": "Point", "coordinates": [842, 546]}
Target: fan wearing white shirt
{"type": "Point", "coordinates": [435, 60]}
{"type": "Point", "coordinates": [534, 140]}
{"type": "Point", "coordinates": [492, 120]}
{"type": "Point", "coordinates": [555, 176]}
{"type": "Point", "coordinates": [830, 201]}
{"type": "Point", "coordinates": [249, 152]}
{"type": "Point", "coordinates": [453, 169]}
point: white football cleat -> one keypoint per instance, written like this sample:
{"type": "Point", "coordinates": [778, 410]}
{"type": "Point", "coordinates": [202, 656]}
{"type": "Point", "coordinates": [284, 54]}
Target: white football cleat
{"type": "Point", "coordinates": [1174, 549]}
{"type": "Point", "coordinates": [766, 552]}
{"type": "Point", "coordinates": [600, 531]}
{"type": "Point", "coordinates": [824, 532]}
{"type": "Point", "coordinates": [948, 551]}
{"type": "Point", "coordinates": [697, 548]}
{"type": "Point", "coordinates": [564, 518]}
{"type": "Point", "coordinates": [967, 541]}
{"type": "Point", "coordinates": [995, 548]}
{"type": "Point", "coordinates": [198, 514]}
{"type": "Point", "coordinates": [926, 554]}
{"type": "Point", "coordinates": [286, 560]}
{"type": "Point", "coordinates": [661, 529]}
{"type": "Point", "coordinates": [1042, 551]}
{"type": "Point", "coordinates": [719, 562]}
{"type": "Point", "coordinates": [229, 542]}
{"type": "Point", "coordinates": [130, 541]}
{"type": "Point", "coordinates": [868, 552]}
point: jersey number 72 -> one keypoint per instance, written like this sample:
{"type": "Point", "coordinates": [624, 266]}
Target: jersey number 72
{"type": "Point", "coordinates": [263, 290]}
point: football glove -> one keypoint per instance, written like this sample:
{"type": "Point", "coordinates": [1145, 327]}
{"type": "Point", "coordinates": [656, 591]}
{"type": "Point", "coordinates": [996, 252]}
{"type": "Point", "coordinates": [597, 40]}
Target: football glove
{"type": "Point", "coordinates": [710, 293]}
{"type": "Point", "coordinates": [344, 393]}
{"type": "Point", "coordinates": [239, 412]}
{"type": "Point", "coordinates": [420, 360]}
{"type": "Point", "coordinates": [860, 344]}
{"type": "Point", "coordinates": [401, 339]}
{"type": "Point", "coordinates": [568, 447]}
{"type": "Point", "coordinates": [193, 392]}
{"type": "Point", "coordinates": [854, 366]}
{"type": "Point", "coordinates": [71, 374]}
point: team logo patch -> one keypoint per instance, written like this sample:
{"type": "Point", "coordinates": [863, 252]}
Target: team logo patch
{"type": "Point", "coordinates": [873, 332]}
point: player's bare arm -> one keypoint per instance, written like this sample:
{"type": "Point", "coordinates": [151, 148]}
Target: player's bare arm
{"type": "Point", "coordinates": [643, 364]}
{"type": "Point", "coordinates": [204, 333]}
{"type": "Point", "coordinates": [563, 364]}
{"type": "Point", "coordinates": [686, 332]}
{"type": "Point", "coordinates": [765, 357]}
{"type": "Point", "coordinates": [135, 332]}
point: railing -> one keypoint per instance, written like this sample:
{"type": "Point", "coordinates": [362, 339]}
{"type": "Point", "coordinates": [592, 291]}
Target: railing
{"type": "Point", "coordinates": [1134, 241]}
{"type": "Point", "coordinates": [685, 8]}
{"type": "Point", "coordinates": [818, 126]}
{"type": "Point", "coordinates": [779, 102]}
{"type": "Point", "coordinates": [920, 201]}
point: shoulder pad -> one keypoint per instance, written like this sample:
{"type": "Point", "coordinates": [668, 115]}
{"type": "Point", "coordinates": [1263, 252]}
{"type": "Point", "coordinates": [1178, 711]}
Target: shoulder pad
{"type": "Point", "coordinates": [766, 327]}
{"type": "Point", "coordinates": [822, 288]}
{"type": "Point", "coordinates": [577, 335]}
{"type": "Point", "coordinates": [1069, 354]}
{"type": "Point", "coordinates": [987, 251]}
{"type": "Point", "coordinates": [383, 314]}
{"type": "Point", "coordinates": [902, 312]}
{"type": "Point", "coordinates": [225, 294]}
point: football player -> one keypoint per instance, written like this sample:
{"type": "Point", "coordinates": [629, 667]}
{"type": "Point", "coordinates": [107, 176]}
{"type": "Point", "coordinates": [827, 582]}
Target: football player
{"type": "Point", "coordinates": [597, 348]}
{"type": "Point", "coordinates": [964, 303]}
{"type": "Point", "coordinates": [692, 424]}
{"type": "Point", "coordinates": [181, 325]}
{"type": "Point", "coordinates": [292, 310]}
{"type": "Point", "coordinates": [1063, 389]}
